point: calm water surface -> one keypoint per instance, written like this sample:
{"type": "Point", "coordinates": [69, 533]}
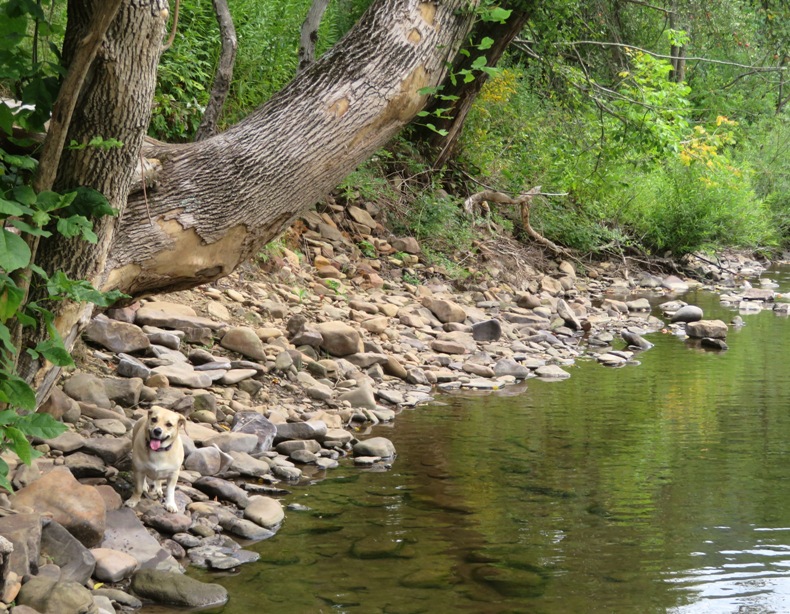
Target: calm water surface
{"type": "Point", "coordinates": [663, 487]}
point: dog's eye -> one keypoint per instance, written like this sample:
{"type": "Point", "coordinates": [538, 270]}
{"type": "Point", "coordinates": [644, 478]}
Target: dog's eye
{"type": "Point", "coordinates": [153, 419]}
{"type": "Point", "coordinates": [169, 425]}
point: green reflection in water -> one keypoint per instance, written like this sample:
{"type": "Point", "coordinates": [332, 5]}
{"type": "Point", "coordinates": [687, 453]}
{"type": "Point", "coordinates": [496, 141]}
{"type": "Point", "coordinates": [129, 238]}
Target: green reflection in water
{"type": "Point", "coordinates": [652, 488]}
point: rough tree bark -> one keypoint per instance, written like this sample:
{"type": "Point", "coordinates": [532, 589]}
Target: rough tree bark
{"type": "Point", "coordinates": [224, 75]}
{"type": "Point", "coordinates": [218, 201]}
{"type": "Point", "coordinates": [502, 34]}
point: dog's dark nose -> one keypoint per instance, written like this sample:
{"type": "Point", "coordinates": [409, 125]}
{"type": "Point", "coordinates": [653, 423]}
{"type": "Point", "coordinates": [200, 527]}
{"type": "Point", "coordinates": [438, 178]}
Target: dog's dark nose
{"type": "Point", "coordinates": [157, 432]}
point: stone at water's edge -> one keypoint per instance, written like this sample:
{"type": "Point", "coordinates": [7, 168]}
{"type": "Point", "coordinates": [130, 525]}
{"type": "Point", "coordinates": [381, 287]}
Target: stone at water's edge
{"type": "Point", "coordinates": [177, 589]}
{"type": "Point", "coordinates": [375, 446]}
{"type": "Point", "coordinates": [687, 313]}
{"type": "Point", "coordinates": [48, 596]}
{"type": "Point", "coordinates": [715, 329]}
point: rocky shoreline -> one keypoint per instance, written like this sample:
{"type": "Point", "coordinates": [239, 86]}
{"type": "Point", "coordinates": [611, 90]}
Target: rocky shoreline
{"type": "Point", "coordinates": [279, 376]}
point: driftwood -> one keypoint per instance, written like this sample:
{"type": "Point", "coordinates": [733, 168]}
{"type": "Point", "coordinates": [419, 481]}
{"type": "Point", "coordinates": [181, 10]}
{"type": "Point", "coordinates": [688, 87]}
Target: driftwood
{"type": "Point", "coordinates": [481, 200]}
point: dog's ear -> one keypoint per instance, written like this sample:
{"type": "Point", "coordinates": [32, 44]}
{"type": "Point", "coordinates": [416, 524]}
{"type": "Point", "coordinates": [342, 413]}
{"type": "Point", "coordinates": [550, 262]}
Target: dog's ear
{"type": "Point", "coordinates": [182, 422]}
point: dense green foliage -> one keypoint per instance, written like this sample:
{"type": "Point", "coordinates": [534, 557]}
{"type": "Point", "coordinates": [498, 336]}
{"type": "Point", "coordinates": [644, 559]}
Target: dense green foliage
{"type": "Point", "coordinates": [643, 160]}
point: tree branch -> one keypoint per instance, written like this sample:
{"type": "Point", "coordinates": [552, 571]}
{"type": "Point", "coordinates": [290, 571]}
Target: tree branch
{"type": "Point", "coordinates": [309, 34]}
{"type": "Point", "coordinates": [224, 75]}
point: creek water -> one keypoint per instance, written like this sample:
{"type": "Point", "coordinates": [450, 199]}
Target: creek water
{"type": "Point", "coordinates": [658, 487]}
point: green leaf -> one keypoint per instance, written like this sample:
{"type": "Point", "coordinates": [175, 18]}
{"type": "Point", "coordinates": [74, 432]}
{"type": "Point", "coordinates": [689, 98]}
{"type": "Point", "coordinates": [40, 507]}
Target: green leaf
{"type": "Point", "coordinates": [4, 475]}
{"type": "Point", "coordinates": [77, 225]}
{"type": "Point", "coordinates": [31, 230]}
{"type": "Point", "coordinates": [9, 207]}
{"type": "Point", "coordinates": [51, 201]}
{"type": "Point", "coordinates": [11, 298]}
{"type": "Point", "coordinates": [25, 195]}
{"type": "Point", "coordinates": [14, 252]}
{"type": "Point", "coordinates": [17, 392]}
{"type": "Point", "coordinates": [90, 203]}
{"type": "Point", "coordinates": [55, 352]}
{"type": "Point", "coordinates": [20, 444]}
{"type": "Point", "coordinates": [5, 339]}
{"type": "Point", "coordinates": [479, 62]}
{"type": "Point", "coordinates": [442, 131]}
{"type": "Point", "coordinates": [486, 43]}
{"type": "Point", "coordinates": [427, 91]}
{"type": "Point", "coordinates": [6, 119]}
{"type": "Point", "coordinates": [8, 416]}
{"type": "Point", "coordinates": [41, 425]}
{"type": "Point", "coordinates": [26, 163]}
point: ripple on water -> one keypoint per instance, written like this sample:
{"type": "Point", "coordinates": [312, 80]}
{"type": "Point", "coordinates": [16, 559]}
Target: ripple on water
{"type": "Point", "coordinates": [755, 579]}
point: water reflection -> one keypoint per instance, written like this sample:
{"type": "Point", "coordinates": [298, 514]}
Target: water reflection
{"type": "Point", "coordinates": [663, 487]}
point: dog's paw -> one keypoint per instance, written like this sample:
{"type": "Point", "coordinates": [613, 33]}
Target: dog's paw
{"type": "Point", "coordinates": [171, 507]}
{"type": "Point", "coordinates": [132, 501]}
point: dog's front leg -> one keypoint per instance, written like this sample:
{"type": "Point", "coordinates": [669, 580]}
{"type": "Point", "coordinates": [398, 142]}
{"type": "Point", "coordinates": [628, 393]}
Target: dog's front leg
{"type": "Point", "coordinates": [139, 486]}
{"type": "Point", "coordinates": [170, 498]}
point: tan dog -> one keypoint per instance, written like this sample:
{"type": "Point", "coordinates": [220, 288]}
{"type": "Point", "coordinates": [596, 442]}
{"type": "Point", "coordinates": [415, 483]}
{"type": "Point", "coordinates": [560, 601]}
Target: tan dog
{"type": "Point", "coordinates": [157, 454]}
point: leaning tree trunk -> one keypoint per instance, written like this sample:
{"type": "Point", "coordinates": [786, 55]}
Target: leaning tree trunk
{"type": "Point", "coordinates": [438, 143]}
{"type": "Point", "coordinates": [114, 102]}
{"type": "Point", "coordinates": [218, 201]}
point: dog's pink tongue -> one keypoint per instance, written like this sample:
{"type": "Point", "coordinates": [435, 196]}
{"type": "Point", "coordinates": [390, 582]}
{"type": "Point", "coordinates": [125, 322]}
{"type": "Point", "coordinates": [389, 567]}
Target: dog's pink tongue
{"type": "Point", "coordinates": [155, 444]}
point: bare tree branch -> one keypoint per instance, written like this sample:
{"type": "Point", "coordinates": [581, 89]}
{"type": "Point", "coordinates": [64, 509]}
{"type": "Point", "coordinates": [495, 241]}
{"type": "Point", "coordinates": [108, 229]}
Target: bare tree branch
{"type": "Point", "coordinates": [309, 34]}
{"type": "Point", "coordinates": [224, 75]}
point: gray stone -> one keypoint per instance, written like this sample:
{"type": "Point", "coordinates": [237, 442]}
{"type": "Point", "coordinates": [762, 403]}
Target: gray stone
{"type": "Point", "coordinates": [312, 429]}
{"type": "Point", "coordinates": [64, 550]}
{"type": "Point", "coordinates": [129, 366]}
{"type": "Point", "coordinates": [125, 532]}
{"type": "Point", "coordinates": [360, 397]}
{"type": "Point", "coordinates": [687, 313]}
{"type": "Point", "coordinates": [223, 489]}
{"type": "Point", "coordinates": [445, 310]}
{"type": "Point", "coordinates": [716, 344]}
{"type": "Point", "coordinates": [88, 389]}
{"type": "Point", "coordinates": [634, 340]}
{"type": "Point", "coordinates": [715, 329]}
{"type": "Point", "coordinates": [234, 441]}
{"type": "Point", "coordinates": [508, 366]}
{"type": "Point", "coordinates": [183, 374]}
{"type": "Point", "coordinates": [177, 589]}
{"type": "Point", "coordinates": [375, 446]}
{"type": "Point", "coordinates": [79, 508]}
{"type": "Point", "coordinates": [23, 531]}
{"type": "Point", "coordinates": [48, 596]}
{"type": "Point", "coordinates": [551, 372]}
{"type": "Point", "coordinates": [339, 339]}
{"type": "Point", "coordinates": [248, 465]}
{"type": "Point", "coordinates": [264, 511]}
{"type": "Point", "coordinates": [245, 341]}
{"type": "Point", "coordinates": [257, 424]}
{"type": "Point", "coordinates": [116, 336]}
{"type": "Point", "coordinates": [487, 331]}
{"type": "Point", "coordinates": [568, 316]}
{"type": "Point", "coordinates": [113, 565]}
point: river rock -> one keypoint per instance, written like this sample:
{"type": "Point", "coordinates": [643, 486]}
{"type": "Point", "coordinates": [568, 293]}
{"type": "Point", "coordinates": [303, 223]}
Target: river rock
{"type": "Point", "coordinates": [243, 340]}
{"type": "Point", "coordinates": [551, 372]}
{"type": "Point", "coordinates": [126, 533]}
{"type": "Point", "coordinates": [48, 596]}
{"type": "Point", "coordinates": [23, 531]}
{"type": "Point", "coordinates": [177, 589]}
{"type": "Point", "coordinates": [568, 316]}
{"type": "Point", "coordinates": [716, 344]}
{"type": "Point", "coordinates": [339, 339]}
{"type": "Point", "coordinates": [257, 424]}
{"type": "Point", "coordinates": [508, 366]}
{"type": "Point", "coordinates": [234, 441]}
{"type": "Point", "coordinates": [687, 313]}
{"type": "Point", "coordinates": [60, 547]}
{"type": "Point", "coordinates": [112, 565]}
{"type": "Point", "coordinates": [79, 508]}
{"type": "Point", "coordinates": [87, 388]}
{"type": "Point", "coordinates": [360, 397]}
{"type": "Point", "coordinates": [301, 430]}
{"type": "Point", "coordinates": [487, 331]}
{"type": "Point", "coordinates": [183, 374]}
{"type": "Point", "coordinates": [675, 284]}
{"type": "Point", "coordinates": [375, 446]}
{"type": "Point", "coordinates": [715, 329]}
{"type": "Point", "coordinates": [634, 340]}
{"type": "Point", "coordinates": [116, 336]}
{"type": "Point", "coordinates": [223, 489]}
{"type": "Point", "coordinates": [444, 310]}
{"type": "Point", "coordinates": [264, 511]}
